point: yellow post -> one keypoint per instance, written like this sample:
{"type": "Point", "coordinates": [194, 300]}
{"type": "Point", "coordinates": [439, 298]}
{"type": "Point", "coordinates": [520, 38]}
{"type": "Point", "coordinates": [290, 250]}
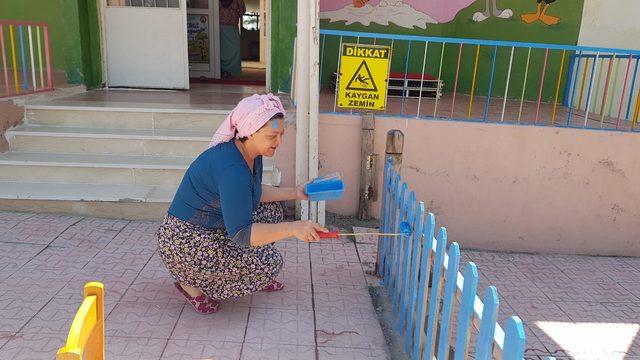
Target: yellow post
{"type": "Point", "coordinates": [95, 348]}
{"type": "Point", "coordinates": [473, 82]}
{"type": "Point", "coordinates": [13, 59]}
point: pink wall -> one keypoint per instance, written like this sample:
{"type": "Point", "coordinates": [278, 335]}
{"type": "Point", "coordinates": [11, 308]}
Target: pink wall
{"type": "Point", "coordinates": [505, 187]}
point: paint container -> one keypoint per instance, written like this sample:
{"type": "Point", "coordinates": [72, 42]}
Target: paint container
{"type": "Point", "coordinates": [328, 187]}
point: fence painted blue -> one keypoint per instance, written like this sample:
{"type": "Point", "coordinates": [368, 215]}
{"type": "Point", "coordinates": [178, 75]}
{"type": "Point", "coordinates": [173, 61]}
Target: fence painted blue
{"type": "Point", "coordinates": [421, 274]}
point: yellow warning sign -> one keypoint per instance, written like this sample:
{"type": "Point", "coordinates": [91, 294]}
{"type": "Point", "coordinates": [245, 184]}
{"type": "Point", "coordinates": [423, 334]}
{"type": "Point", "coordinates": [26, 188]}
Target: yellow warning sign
{"type": "Point", "coordinates": [364, 70]}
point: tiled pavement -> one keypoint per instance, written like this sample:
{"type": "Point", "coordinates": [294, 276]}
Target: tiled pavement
{"type": "Point", "coordinates": [573, 307]}
{"type": "Point", "coordinates": [324, 312]}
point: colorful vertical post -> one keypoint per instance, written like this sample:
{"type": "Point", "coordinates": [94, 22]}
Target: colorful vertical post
{"type": "Point", "coordinates": [13, 59]}
{"type": "Point", "coordinates": [455, 83]}
{"type": "Point", "coordinates": [48, 58]}
{"type": "Point", "coordinates": [544, 72]}
{"type": "Point", "coordinates": [555, 99]}
{"type": "Point", "coordinates": [491, 74]}
{"type": "Point", "coordinates": [524, 84]}
{"type": "Point", "coordinates": [624, 88]}
{"type": "Point", "coordinates": [25, 81]}
{"type": "Point", "coordinates": [506, 89]}
{"type": "Point", "coordinates": [473, 81]}
{"type": "Point", "coordinates": [4, 61]}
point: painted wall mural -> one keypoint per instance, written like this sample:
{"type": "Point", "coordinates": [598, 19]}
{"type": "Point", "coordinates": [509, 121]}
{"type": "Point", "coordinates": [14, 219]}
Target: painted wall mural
{"type": "Point", "coordinates": [538, 21]}
{"type": "Point", "coordinates": [420, 13]}
{"type": "Point", "coordinates": [406, 13]}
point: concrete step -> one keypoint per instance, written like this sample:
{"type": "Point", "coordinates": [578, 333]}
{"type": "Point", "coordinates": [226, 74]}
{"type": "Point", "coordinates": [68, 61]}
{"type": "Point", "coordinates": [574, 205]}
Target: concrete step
{"type": "Point", "coordinates": [104, 169]}
{"type": "Point", "coordinates": [124, 117]}
{"type": "Point", "coordinates": [20, 190]}
{"type": "Point", "coordinates": [133, 202]}
{"type": "Point", "coordinates": [78, 140]}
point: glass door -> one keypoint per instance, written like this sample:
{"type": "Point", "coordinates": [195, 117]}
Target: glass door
{"type": "Point", "coordinates": [202, 38]}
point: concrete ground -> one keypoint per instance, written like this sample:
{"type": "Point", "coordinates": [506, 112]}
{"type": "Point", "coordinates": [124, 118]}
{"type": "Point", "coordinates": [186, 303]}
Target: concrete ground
{"type": "Point", "coordinates": [573, 307]}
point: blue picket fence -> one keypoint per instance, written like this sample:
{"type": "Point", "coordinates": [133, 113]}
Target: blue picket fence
{"type": "Point", "coordinates": [425, 287]}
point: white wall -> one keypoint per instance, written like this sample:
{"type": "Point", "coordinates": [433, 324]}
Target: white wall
{"type": "Point", "coordinates": [610, 24]}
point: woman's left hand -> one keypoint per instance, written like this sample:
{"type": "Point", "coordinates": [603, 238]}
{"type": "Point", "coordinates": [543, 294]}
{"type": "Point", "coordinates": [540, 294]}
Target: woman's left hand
{"type": "Point", "coordinates": [300, 192]}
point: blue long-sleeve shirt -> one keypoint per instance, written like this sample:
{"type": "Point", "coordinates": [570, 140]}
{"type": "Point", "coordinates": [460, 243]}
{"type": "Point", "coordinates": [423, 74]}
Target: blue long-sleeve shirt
{"type": "Point", "coordinates": [218, 190]}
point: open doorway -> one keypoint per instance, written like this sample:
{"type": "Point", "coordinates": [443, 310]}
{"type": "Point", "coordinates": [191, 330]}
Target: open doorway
{"type": "Point", "coordinates": [227, 41]}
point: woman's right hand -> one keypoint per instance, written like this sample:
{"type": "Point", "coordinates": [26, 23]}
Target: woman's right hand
{"type": "Point", "coordinates": [306, 230]}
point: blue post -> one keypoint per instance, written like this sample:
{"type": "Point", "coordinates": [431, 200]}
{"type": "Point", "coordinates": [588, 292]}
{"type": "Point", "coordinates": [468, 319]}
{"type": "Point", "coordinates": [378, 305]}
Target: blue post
{"type": "Point", "coordinates": [469, 290]}
{"type": "Point", "coordinates": [514, 339]}
{"type": "Point", "coordinates": [25, 79]}
{"type": "Point", "coordinates": [415, 267]}
{"type": "Point", "coordinates": [425, 271]}
{"type": "Point", "coordinates": [391, 201]}
{"type": "Point", "coordinates": [396, 210]}
{"type": "Point", "coordinates": [407, 211]}
{"type": "Point", "coordinates": [406, 264]}
{"type": "Point", "coordinates": [633, 82]}
{"type": "Point", "coordinates": [493, 68]}
{"type": "Point", "coordinates": [573, 89]}
{"type": "Point", "coordinates": [567, 88]}
{"type": "Point", "coordinates": [488, 324]}
{"type": "Point", "coordinates": [449, 297]}
{"type": "Point", "coordinates": [434, 297]}
{"type": "Point", "coordinates": [404, 82]}
{"type": "Point", "coordinates": [401, 209]}
{"type": "Point", "coordinates": [383, 217]}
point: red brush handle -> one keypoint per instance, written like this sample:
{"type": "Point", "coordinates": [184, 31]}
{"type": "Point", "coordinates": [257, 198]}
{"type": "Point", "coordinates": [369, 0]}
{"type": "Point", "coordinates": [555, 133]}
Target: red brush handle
{"type": "Point", "coordinates": [328, 235]}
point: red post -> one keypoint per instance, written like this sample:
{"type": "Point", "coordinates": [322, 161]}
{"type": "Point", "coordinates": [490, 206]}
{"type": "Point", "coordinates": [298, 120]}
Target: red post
{"type": "Point", "coordinates": [4, 60]}
{"type": "Point", "coordinates": [47, 55]}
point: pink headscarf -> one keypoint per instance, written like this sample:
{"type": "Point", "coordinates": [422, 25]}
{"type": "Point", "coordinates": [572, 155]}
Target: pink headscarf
{"type": "Point", "coordinates": [249, 116]}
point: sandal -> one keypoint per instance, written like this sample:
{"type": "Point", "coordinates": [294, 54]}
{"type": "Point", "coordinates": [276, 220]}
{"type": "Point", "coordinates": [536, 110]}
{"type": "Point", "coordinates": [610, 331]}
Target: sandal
{"type": "Point", "coordinates": [273, 286]}
{"type": "Point", "coordinates": [200, 303]}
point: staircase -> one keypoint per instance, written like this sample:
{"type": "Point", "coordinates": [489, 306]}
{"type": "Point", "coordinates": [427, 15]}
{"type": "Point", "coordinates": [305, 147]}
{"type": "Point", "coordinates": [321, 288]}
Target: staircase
{"type": "Point", "coordinates": [104, 161]}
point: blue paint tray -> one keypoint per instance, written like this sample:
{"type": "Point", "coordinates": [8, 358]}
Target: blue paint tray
{"type": "Point", "coordinates": [328, 187]}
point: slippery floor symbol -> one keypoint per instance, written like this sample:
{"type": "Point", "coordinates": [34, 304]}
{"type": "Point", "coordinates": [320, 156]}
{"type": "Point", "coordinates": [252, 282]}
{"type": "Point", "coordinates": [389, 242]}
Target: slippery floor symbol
{"type": "Point", "coordinates": [362, 80]}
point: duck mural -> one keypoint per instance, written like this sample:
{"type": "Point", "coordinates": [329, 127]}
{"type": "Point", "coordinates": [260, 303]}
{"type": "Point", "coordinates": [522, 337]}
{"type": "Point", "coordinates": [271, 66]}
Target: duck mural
{"type": "Point", "coordinates": [405, 13]}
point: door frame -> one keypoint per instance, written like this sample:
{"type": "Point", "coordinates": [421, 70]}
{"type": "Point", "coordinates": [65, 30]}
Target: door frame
{"type": "Point", "coordinates": [214, 42]}
{"type": "Point", "coordinates": [102, 7]}
{"type": "Point", "coordinates": [102, 4]}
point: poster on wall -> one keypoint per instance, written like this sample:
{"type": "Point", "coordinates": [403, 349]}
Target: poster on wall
{"type": "Point", "coordinates": [198, 32]}
{"type": "Point", "coordinates": [364, 70]}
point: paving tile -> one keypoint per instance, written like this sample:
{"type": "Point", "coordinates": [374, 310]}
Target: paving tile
{"type": "Point", "coordinates": [200, 350]}
{"type": "Point", "coordinates": [338, 353]}
{"type": "Point", "coordinates": [128, 348]}
{"type": "Point", "coordinates": [355, 329]}
{"type": "Point", "coordinates": [282, 327]}
{"type": "Point", "coordinates": [32, 346]}
{"type": "Point", "coordinates": [115, 284]}
{"type": "Point", "coordinates": [336, 253]}
{"type": "Point", "coordinates": [14, 255]}
{"type": "Point", "coordinates": [39, 229]}
{"type": "Point", "coordinates": [341, 298]}
{"type": "Point", "coordinates": [338, 274]}
{"type": "Point", "coordinates": [110, 261]}
{"type": "Point", "coordinates": [153, 286]}
{"type": "Point", "coordinates": [152, 320]}
{"type": "Point", "coordinates": [5, 336]}
{"type": "Point", "coordinates": [228, 324]}
{"type": "Point", "coordinates": [56, 316]}
{"type": "Point", "coordinates": [278, 352]}
{"type": "Point", "coordinates": [583, 311]}
{"type": "Point", "coordinates": [61, 258]}
{"type": "Point", "coordinates": [295, 274]}
{"type": "Point", "coordinates": [35, 284]}
{"type": "Point", "coordinates": [292, 297]}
